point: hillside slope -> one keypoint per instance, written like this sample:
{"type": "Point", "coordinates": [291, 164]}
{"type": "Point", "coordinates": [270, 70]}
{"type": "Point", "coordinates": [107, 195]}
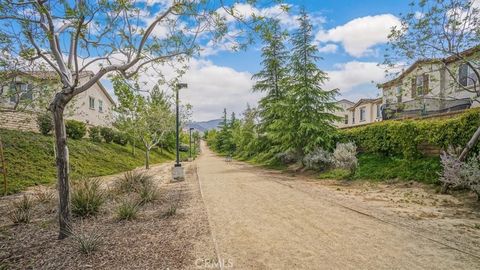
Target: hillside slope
{"type": "Point", "coordinates": [30, 159]}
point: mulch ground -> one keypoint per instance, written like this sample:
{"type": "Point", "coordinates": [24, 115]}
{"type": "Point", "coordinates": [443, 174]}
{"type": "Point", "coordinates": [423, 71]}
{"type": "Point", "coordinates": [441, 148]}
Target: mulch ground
{"type": "Point", "coordinates": [154, 240]}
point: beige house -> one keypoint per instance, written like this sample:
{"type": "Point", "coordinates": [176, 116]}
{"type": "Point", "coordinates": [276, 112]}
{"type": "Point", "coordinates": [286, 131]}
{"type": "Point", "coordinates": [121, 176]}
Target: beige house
{"type": "Point", "coordinates": [342, 112]}
{"type": "Point", "coordinates": [21, 101]}
{"type": "Point", "coordinates": [433, 86]}
{"type": "Point", "coordinates": [365, 111]}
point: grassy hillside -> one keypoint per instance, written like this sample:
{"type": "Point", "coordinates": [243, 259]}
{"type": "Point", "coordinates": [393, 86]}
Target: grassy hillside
{"type": "Point", "coordinates": [30, 159]}
{"type": "Point", "coordinates": [379, 168]}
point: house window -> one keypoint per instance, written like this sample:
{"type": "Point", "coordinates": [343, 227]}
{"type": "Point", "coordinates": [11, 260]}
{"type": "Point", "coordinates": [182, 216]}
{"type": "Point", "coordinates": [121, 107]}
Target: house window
{"type": "Point", "coordinates": [20, 90]}
{"type": "Point", "coordinates": [420, 85]}
{"type": "Point", "coordinates": [345, 119]}
{"type": "Point", "coordinates": [466, 76]}
{"type": "Point", "coordinates": [100, 106]}
{"type": "Point", "coordinates": [362, 114]}
{"type": "Point", "coordinates": [91, 103]}
{"type": "Point", "coordinates": [379, 111]}
{"type": "Point", "coordinates": [353, 117]}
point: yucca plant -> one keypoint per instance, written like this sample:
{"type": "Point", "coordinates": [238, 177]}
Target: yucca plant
{"type": "Point", "coordinates": [22, 210]}
{"type": "Point", "coordinates": [148, 192]}
{"type": "Point", "coordinates": [86, 243]}
{"type": "Point", "coordinates": [87, 197]}
{"type": "Point", "coordinates": [171, 211]}
{"type": "Point", "coordinates": [127, 210]}
{"type": "Point", "coordinates": [132, 181]}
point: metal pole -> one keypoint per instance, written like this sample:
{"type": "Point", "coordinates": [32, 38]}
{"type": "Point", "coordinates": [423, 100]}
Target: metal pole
{"type": "Point", "coordinates": [177, 164]}
{"type": "Point", "coordinates": [195, 146]}
{"type": "Point", "coordinates": [190, 142]}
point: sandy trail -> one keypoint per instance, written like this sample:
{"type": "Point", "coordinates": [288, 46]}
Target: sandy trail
{"type": "Point", "coordinates": [259, 222]}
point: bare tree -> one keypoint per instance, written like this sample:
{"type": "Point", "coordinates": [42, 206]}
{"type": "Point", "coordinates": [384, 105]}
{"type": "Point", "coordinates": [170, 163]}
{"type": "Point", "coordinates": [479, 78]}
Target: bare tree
{"type": "Point", "coordinates": [70, 38]}
{"type": "Point", "coordinates": [442, 31]}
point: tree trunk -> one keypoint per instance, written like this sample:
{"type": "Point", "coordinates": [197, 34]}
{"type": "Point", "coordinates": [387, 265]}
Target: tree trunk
{"type": "Point", "coordinates": [64, 214]}
{"type": "Point", "coordinates": [147, 158]}
{"type": "Point", "coordinates": [470, 145]}
{"type": "Point", "coordinates": [463, 156]}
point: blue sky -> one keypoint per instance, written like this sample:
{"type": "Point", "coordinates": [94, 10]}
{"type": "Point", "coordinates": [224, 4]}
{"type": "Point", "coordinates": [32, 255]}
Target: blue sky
{"type": "Point", "coordinates": [351, 36]}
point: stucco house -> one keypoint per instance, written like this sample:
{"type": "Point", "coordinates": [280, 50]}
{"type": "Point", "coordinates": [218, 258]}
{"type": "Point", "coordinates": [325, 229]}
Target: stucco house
{"type": "Point", "coordinates": [365, 111]}
{"type": "Point", "coordinates": [342, 112]}
{"type": "Point", "coordinates": [21, 101]}
{"type": "Point", "coordinates": [433, 86]}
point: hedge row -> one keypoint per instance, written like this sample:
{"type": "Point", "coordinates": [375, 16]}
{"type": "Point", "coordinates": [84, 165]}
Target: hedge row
{"type": "Point", "coordinates": [404, 137]}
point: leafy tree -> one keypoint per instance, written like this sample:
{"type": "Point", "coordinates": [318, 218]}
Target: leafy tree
{"type": "Point", "coordinates": [147, 119]}
{"type": "Point", "coordinates": [440, 29]}
{"type": "Point", "coordinates": [307, 120]}
{"type": "Point", "coordinates": [68, 38]}
{"type": "Point", "coordinates": [156, 120]}
{"type": "Point", "coordinates": [128, 108]}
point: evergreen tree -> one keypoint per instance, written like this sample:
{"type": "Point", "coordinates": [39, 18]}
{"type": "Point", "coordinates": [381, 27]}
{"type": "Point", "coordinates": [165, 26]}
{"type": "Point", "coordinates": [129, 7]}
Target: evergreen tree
{"type": "Point", "coordinates": [222, 135]}
{"type": "Point", "coordinates": [307, 121]}
{"type": "Point", "coordinates": [245, 134]}
{"type": "Point", "coordinates": [271, 79]}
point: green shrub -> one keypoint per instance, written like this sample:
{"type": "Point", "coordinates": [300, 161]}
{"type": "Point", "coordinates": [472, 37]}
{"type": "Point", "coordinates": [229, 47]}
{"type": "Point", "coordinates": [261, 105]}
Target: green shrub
{"type": "Point", "coordinates": [107, 134]}
{"type": "Point", "coordinates": [94, 134]}
{"type": "Point", "coordinates": [120, 138]}
{"type": "Point", "coordinates": [403, 137]}
{"type": "Point", "coordinates": [45, 123]}
{"type": "Point", "coordinates": [75, 129]}
{"type": "Point", "coordinates": [87, 197]}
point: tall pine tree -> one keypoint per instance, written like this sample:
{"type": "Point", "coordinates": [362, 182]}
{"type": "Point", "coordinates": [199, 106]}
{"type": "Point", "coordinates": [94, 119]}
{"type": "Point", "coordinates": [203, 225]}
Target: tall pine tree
{"type": "Point", "coordinates": [271, 79]}
{"type": "Point", "coordinates": [307, 121]}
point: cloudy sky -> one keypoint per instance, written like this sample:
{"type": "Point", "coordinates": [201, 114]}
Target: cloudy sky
{"type": "Point", "coordinates": [350, 35]}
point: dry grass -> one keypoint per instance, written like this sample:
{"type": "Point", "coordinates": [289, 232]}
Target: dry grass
{"type": "Point", "coordinates": [44, 195]}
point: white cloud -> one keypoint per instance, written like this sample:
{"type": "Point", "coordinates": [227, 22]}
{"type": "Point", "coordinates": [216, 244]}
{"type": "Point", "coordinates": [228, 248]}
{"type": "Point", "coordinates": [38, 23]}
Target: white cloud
{"type": "Point", "coordinates": [212, 88]}
{"type": "Point", "coordinates": [360, 35]}
{"type": "Point", "coordinates": [329, 48]}
{"type": "Point", "coordinates": [351, 75]}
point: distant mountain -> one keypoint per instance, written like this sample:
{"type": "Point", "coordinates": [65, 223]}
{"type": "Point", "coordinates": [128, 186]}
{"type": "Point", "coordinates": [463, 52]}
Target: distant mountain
{"type": "Point", "coordinates": [205, 125]}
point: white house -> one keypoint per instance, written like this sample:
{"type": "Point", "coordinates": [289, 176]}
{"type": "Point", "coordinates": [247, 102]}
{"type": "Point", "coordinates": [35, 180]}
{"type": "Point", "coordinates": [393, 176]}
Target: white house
{"type": "Point", "coordinates": [21, 101]}
{"type": "Point", "coordinates": [365, 111]}
{"type": "Point", "coordinates": [342, 112]}
{"type": "Point", "coordinates": [433, 86]}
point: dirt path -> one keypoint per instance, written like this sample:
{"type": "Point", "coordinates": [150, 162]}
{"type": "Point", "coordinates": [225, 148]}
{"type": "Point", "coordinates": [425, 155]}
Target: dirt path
{"type": "Point", "coordinates": [262, 221]}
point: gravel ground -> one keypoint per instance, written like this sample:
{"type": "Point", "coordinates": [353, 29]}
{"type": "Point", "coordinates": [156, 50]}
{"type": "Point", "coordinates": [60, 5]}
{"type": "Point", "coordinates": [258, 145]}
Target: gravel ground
{"type": "Point", "coordinates": [152, 241]}
{"type": "Point", "coordinates": [264, 219]}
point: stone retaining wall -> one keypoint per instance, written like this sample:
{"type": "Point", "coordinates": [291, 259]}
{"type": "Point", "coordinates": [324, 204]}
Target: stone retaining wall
{"type": "Point", "coordinates": [24, 121]}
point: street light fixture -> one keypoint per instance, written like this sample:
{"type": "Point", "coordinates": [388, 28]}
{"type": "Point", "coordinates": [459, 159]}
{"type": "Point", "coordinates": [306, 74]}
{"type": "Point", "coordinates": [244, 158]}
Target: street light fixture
{"type": "Point", "coordinates": [177, 169]}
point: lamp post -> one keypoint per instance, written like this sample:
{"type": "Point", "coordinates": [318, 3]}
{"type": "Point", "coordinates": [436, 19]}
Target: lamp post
{"type": "Point", "coordinates": [177, 169]}
{"type": "Point", "coordinates": [190, 142]}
